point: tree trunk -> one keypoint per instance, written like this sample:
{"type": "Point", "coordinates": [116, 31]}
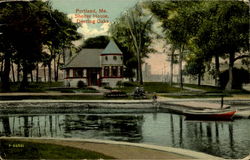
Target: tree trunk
{"type": "Point", "coordinates": [49, 68]}
{"type": "Point", "coordinates": [44, 72]}
{"type": "Point", "coordinates": [55, 78]}
{"type": "Point", "coordinates": [199, 79]}
{"type": "Point", "coordinates": [37, 72]}
{"type": "Point", "coordinates": [137, 73]}
{"type": "Point", "coordinates": [13, 72]}
{"type": "Point", "coordinates": [18, 72]}
{"type": "Point", "coordinates": [171, 66]}
{"type": "Point", "coordinates": [217, 71]}
{"type": "Point", "coordinates": [1, 68]}
{"type": "Point", "coordinates": [57, 67]}
{"type": "Point", "coordinates": [31, 77]}
{"type": "Point", "coordinates": [64, 56]}
{"type": "Point", "coordinates": [6, 73]}
{"type": "Point", "coordinates": [229, 85]}
{"type": "Point", "coordinates": [180, 66]}
{"type": "Point", "coordinates": [24, 82]}
{"type": "Point", "coordinates": [140, 70]}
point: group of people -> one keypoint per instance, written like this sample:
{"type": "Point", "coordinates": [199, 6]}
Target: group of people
{"type": "Point", "coordinates": [139, 92]}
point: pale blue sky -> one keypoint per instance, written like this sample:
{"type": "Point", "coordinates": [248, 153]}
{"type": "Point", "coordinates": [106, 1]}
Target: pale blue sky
{"type": "Point", "coordinates": [114, 7]}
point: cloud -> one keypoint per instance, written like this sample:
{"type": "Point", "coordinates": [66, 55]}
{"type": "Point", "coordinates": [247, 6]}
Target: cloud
{"type": "Point", "coordinates": [89, 29]}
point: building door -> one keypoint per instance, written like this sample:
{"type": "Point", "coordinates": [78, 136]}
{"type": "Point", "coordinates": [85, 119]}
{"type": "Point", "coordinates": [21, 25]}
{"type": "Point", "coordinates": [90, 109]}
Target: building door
{"type": "Point", "coordinates": [92, 77]}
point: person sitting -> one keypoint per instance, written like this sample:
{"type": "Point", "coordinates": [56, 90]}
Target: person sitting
{"type": "Point", "coordinates": [154, 98]}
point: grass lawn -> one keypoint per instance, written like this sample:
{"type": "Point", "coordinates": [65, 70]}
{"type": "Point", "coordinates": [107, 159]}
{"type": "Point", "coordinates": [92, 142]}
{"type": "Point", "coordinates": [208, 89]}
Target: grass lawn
{"type": "Point", "coordinates": [36, 87]}
{"type": "Point", "coordinates": [65, 97]}
{"type": "Point", "coordinates": [213, 89]}
{"type": "Point", "coordinates": [73, 90]}
{"type": "Point", "coordinates": [150, 87]}
{"type": "Point", "coordinates": [51, 87]}
{"type": "Point", "coordinates": [195, 96]}
{"type": "Point", "coordinates": [11, 149]}
{"type": "Point", "coordinates": [206, 88]}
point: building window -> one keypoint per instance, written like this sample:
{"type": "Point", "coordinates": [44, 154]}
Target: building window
{"type": "Point", "coordinates": [106, 71]}
{"type": "Point", "coordinates": [106, 58]}
{"type": "Point", "coordinates": [121, 71]}
{"type": "Point", "coordinates": [84, 73]}
{"type": "Point", "coordinates": [78, 73]}
{"type": "Point", "coordinates": [114, 58]}
{"type": "Point", "coordinates": [67, 73]}
{"type": "Point", "coordinates": [121, 58]}
{"type": "Point", "coordinates": [114, 71]}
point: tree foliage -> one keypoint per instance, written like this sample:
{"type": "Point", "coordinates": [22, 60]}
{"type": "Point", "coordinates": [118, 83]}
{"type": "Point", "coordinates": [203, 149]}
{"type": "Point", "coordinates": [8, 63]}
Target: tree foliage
{"type": "Point", "coordinates": [96, 42]}
{"type": "Point", "coordinates": [241, 76]}
{"type": "Point", "coordinates": [195, 66]}
{"type": "Point", "coordinates": [132, 32]}
{"type": "Point", "coordinates": [28, 27]}
{"type": "Point", "coordinates": [178, 26]}
{"type": "Point", "coordinates": [206, 28]}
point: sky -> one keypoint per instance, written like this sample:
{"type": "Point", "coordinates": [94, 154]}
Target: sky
{"type": "Point", "coordinates": [78, 10]}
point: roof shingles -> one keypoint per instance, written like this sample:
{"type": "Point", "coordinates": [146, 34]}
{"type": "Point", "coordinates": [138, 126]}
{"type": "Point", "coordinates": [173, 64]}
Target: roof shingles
{"type": "Point", "coordinates": [86, 58]}
{"type": "Point", "coordinates": [112, 48]}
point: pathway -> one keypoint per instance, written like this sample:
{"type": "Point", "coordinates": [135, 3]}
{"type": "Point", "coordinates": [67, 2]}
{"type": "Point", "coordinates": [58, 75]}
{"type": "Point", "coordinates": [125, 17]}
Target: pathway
{"type": "Point", "coordinates": [190, 89]}
{"type": "Point", "coordinates": [123, 150]}
{"type": "Point", "coordinates": [100, 89]}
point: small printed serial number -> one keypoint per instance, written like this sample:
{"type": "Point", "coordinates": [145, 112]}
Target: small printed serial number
{"type": "Point", "coordinates": [16, 145]}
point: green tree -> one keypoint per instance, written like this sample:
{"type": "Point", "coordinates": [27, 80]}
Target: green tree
{"type": "Point", "coordinates": [216, 28]}
{"type": "Point", "coordinates": [179, 24]}
{"type": "Point", "coordinates": [225, 32]}
{"type": "Point", "coordinates": [8, 50]}
{"type": "Point", "coordinates": [29, 27]}
{"type": "Point", "coordinates": [96, 42]}
{"type": "Point", "coordinates": [62, 31]}
{"type": "Point", "coordinates": [119, 32]}
{"type": "Point", "coordinates": [26, 21]}
{"type": "Point", "coordinates": [132, 30]}
{"type": "Point", "coordinates": [241, 76]}
{"type": "Point", "coordinates": [195, 66]}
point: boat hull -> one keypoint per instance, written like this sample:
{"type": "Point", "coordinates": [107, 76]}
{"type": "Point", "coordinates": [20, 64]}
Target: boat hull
{"type": "Point", "coordinates": [223, 116]}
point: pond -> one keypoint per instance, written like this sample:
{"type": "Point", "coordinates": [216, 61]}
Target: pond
{"type": "Point", "coordinates": [224, 139]}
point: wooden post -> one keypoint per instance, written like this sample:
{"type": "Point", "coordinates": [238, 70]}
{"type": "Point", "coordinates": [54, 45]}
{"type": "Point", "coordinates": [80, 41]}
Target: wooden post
{"type": "Point", "coordinates": [221, 106]}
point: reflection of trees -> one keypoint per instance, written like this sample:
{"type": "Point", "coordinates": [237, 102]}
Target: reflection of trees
{"type": "Point", "coordinates": [231, 137]}
{"type": "Point", "coordinates": [50, 126]}
{"type": "Point", "coordinates": [26, 126]}
{"type": "Point", "coordinates": [172, 129]}
{"type": "Point", "coordinates": [6, 126]}
{"type": "Point", "coordinates": [181, 131]}
{"type": "Point", "coordinates": [122, 127]}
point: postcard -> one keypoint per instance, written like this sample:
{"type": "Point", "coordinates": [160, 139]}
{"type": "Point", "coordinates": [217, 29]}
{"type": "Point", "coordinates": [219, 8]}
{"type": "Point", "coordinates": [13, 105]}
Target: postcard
{"type": "Point", "coordinates": [124, 79]}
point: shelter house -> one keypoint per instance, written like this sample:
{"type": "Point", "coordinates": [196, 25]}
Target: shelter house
{"type": "Point", "coordinates": [95, 67]}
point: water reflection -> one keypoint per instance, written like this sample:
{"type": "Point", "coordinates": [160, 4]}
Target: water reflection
{"type": "Point", "coordinates": [226, 139]}
{"type": "Point", "coordinates": [115, 127]}
{"type": "Point", "coordinates": [180, 134]}
{"type": "Point", "coordinates": [6, 126]}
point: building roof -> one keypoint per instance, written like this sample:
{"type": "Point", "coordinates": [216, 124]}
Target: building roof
{"type": "Point", "coordinates": [112, 48]}
{"type": "Point", "coordinates": [85, 58]}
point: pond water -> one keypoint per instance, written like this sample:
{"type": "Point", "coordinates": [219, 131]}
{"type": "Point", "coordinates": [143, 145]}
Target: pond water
{"type": "Point", "coordinates": [224, 139]}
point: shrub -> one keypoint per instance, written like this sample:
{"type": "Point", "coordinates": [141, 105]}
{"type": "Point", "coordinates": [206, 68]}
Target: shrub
{"type": "Point", "coordinates": [129, 84]}
{"type": "Point", "coordinates": [81, 84]}
{"type": "Point", "coordinates": [119, 84]}
{"type": "Point", "coordinates": [107, 87]}
{"type": "Point", "coordinates": [240, 76]}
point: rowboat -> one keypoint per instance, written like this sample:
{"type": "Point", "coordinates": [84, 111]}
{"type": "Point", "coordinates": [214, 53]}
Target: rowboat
{"type": "Point", "coordinates": [210, 114]}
